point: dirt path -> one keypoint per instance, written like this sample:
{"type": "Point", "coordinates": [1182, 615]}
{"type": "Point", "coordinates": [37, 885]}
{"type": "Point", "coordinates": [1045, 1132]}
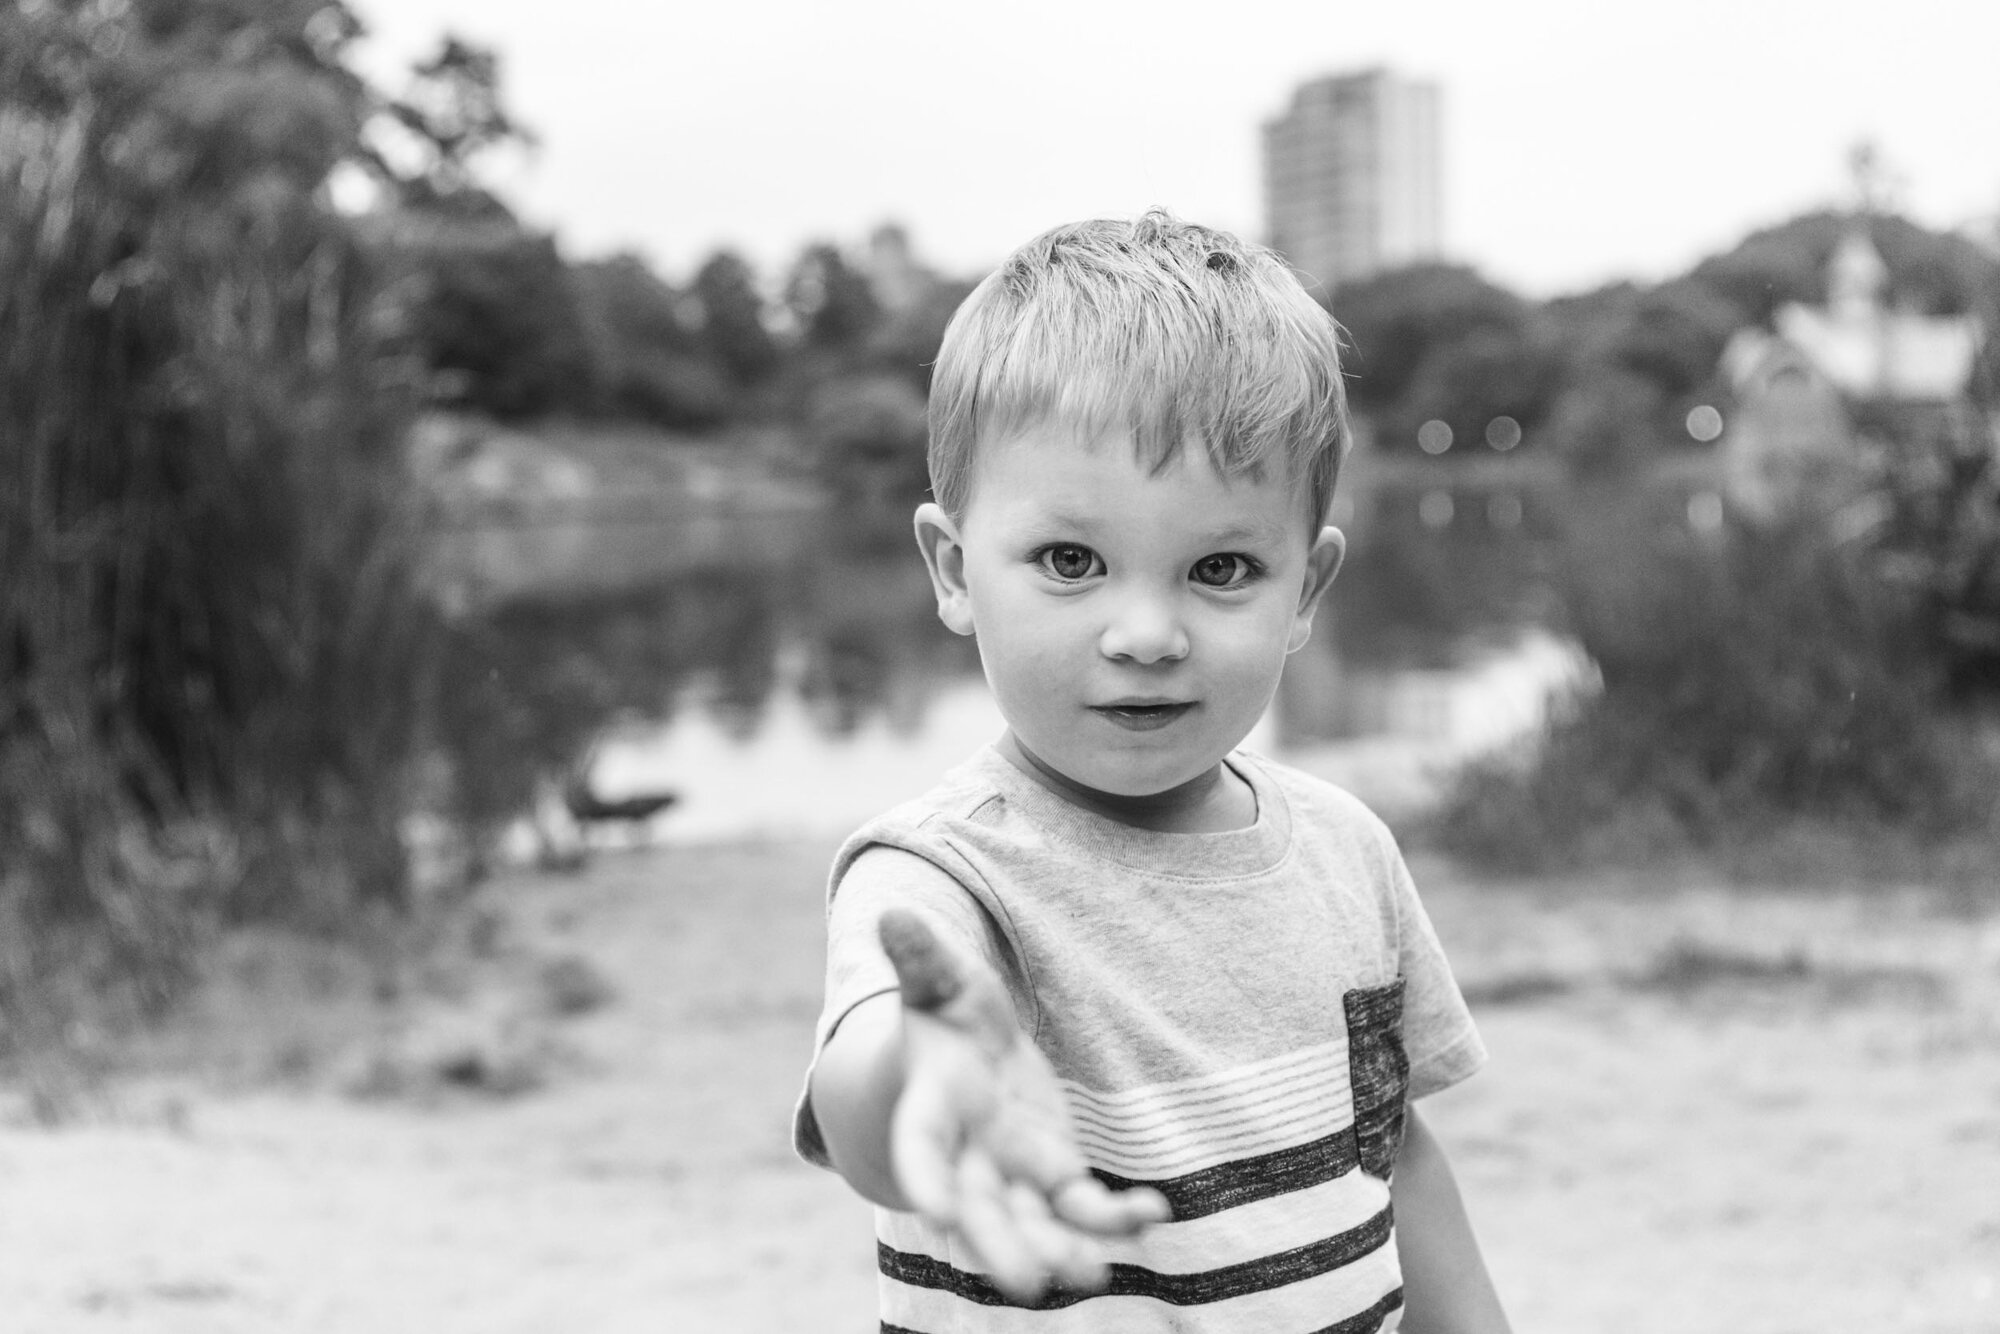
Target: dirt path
{"type": "Point", "coordinates": [1757, 1113]}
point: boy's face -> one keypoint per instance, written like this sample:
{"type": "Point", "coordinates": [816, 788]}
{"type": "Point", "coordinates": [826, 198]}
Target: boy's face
{"type": "Point", "coordinates": [1132, 623]}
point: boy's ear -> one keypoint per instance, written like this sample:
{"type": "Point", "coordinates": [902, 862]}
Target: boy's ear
{"type": "Point", "coordinates": [1322, 564]}
{"type": "Point", "coordinates": [944, 557]}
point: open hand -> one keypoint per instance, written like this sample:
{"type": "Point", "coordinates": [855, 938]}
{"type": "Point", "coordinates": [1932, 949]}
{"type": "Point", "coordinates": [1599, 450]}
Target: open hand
{"type": "Point", "coordinates": [981, 1138]}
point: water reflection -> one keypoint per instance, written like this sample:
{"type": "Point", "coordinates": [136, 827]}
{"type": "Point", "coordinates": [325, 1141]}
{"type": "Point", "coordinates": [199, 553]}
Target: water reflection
{"type": "Point", "coordinates": [784, 672]}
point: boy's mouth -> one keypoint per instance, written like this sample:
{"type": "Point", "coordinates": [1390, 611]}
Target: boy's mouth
{"type": "Point", "coordinates": [1142, 715]}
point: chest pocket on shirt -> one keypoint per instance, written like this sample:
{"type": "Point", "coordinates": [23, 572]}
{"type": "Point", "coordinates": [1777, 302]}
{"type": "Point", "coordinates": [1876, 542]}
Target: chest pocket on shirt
{"type": "Point", "coordinates": [1378, 1072]}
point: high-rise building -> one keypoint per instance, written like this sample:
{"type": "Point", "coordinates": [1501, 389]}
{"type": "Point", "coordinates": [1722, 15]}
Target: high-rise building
{"type": "Point", "coordinates": [1351, 176]}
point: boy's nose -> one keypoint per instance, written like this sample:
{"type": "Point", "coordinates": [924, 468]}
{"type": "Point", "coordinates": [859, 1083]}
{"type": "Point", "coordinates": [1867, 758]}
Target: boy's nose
{"type": "Point", "coordinates": [1145, 630]}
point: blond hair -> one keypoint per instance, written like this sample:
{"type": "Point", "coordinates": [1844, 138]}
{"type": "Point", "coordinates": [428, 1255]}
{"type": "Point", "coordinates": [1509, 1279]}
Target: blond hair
{"type": "Point", "coordinates": [1180, 334]}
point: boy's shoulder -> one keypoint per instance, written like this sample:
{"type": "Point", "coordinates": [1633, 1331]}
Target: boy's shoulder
{"type": "Point", "coordinates": [925, 824]}
{"type": "Point", "coordinates": [959, 794]}
{"type": "Point", "coordinates": [1325, 804]}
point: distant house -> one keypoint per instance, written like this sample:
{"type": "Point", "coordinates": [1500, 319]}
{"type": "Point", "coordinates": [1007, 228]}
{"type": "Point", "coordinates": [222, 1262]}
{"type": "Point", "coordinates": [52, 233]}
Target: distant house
{"type": "Point", "coordinates": [1818, 391]}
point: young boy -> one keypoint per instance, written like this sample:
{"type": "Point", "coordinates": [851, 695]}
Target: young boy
{"type": "Point", "coordinates": [1122, 1022]}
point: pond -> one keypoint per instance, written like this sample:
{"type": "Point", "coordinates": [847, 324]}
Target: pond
{"type": "Point", "coordinates": [780, 671]}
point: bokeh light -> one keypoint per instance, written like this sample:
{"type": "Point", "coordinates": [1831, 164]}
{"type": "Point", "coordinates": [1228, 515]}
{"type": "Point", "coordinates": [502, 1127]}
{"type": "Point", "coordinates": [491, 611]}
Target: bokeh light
{"type": "Point", "coordinates": [1503, 433]}
{"type": "Point", "coordinates": [1436, 509]}
{"type": "Point", "coordinates": [1704, 423]}
{"type": "Point", "coordinates": [1434, 436]}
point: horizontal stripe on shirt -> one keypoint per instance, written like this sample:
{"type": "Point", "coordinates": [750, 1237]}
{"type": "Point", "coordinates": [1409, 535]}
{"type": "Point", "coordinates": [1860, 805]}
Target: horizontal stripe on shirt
{"type": "Point", "coordinates": [1327, 1060]}
{"type": "Point", "coordinates": [1246, 1233]}
{"type": "Point", "coordinates": [1360, 1300]}
{"type": "Point", "coordinates": [1175, 1289]}
{"type": "Point", "coordinates": [1172, 1130]}
{"type": "Point", "coordinates": [1247, 1180]}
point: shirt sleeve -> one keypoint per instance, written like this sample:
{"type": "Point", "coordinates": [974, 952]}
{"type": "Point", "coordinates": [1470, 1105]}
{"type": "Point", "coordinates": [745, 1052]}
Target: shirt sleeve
{"type": "Point", "coordinates": [879, 878]}
{"type": "Point", "coordinates": [1439, 1037]}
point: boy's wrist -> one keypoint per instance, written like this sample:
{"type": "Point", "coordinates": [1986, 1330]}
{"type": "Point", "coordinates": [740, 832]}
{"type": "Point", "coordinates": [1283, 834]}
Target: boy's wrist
{"type": "Point", "coordinates": [856, 1084]}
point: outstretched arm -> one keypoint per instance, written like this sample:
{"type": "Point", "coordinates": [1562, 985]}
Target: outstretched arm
{"type": "Point", "coordinates": [930, 1099]}
{"type": "Point", "coordinates": [1446, 1289]}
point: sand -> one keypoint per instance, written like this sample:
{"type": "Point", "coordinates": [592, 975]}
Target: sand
{"type": "Point", "coordinates": [1751, 1111]}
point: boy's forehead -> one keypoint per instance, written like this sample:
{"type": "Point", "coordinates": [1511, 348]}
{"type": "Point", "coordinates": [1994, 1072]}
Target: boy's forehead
{"type": "Point", "coordinates": [1052, 441]}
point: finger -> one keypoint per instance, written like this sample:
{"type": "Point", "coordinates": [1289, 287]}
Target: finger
{"type": "Point", "coordinates": [1085, 1202]}
{"type": "Point", "coordinates": [924, 1140]}
{"type": "Point", "coordinates": [989, 1229]}
{"type": "Point", "coordinates": [1060, 1250]}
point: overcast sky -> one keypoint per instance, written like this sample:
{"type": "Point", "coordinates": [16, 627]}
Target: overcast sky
{"type": "Point", "coordinates": [1583, 140]}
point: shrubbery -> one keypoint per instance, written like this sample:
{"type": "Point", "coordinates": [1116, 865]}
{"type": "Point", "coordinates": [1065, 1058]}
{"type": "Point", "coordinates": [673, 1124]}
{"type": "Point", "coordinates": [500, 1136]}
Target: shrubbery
{"type": "Point", "coordinates": [212, 649]}
{"type": "Point", "coordinates": [1770, 679]}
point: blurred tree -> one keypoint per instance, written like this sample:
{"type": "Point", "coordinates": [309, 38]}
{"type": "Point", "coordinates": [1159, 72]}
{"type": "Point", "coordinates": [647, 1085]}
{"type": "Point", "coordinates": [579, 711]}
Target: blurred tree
{"type": "Point", "coordinates": [866, 436]}
{"type": "Point", "coordinates": [451, 114]}
{"type": "Point", "coordinates": [1935, 273]}
{"type": "Point", "coordinates": [491, 311]}
{"type": "Point", "coordinates": [487, 306]}
{"type": "Point", "coordinates": [831, 301]}
{"type": "Point", "coordinates": [1940, 541]}
{"type": "Point", "coordinates": [1673, 336]}
{"type": "Point", "coordinates": [732, 319]}
{"type": "Point", "coordinates": [1437, 341]}
{"type": "Point", "coordinates": [906, 343]}
{"type": "Point", "coordinates": [1607, 419]}
{"type": "Point", "coordinates": [649, 358]}
{"type": "Point", "coordinates": [1396, 319]}
{"type": "Point", "coordinates": [1773, 267]}
{"type": "Point", "coordinates": [1466, 382]}
{"type": "Point", "coordinates": [1632, 362]}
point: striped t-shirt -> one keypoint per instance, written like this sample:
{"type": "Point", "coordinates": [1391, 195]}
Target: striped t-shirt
{"type": "Point", "coordinates": [1238, 1020]}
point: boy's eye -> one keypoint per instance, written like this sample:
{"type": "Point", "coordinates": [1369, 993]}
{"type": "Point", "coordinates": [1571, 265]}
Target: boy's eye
{"type": "Point", "coordinates": [1225, 570]}
{"type": "Point", "coordinates": [1068, 562]}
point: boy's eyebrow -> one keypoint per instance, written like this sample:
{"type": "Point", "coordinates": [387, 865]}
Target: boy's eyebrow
{"type": "Point", "coordinates": [1064, 520]}
{"type": "Point", "coordinates": [1248, 532]}
{"type": "Point", "coordinates": [1245, 534]}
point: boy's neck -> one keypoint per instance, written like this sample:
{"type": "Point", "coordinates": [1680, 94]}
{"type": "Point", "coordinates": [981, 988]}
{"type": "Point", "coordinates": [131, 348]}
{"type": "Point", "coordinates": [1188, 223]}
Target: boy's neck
{"type": "Point", "coordinates": [1211, 803]}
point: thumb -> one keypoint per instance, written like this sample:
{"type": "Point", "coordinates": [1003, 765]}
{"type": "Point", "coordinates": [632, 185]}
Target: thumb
{"type": "Point", "coordinates": [939, 981]}
{"type": "Point", "coordinates": [927, 970]}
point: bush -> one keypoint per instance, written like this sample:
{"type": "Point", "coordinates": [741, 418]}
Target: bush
{"type": "Point", "coordinates": [866, 436]}
{"type": "Point", "coordinates": [212, 651]}
{"type": "Point", "coordinates": [1769, 680]}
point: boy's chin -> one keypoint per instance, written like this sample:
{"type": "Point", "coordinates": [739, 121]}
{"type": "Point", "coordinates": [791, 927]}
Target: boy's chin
{"type": "Point", "coordinates": [1152, 786]}
{"type": "Point", "coordinates": [1120, 783]}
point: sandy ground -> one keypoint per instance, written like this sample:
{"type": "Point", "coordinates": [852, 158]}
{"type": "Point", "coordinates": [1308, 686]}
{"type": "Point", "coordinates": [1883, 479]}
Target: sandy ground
{"type": "Point", "coordinates": [1753, 1112]}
